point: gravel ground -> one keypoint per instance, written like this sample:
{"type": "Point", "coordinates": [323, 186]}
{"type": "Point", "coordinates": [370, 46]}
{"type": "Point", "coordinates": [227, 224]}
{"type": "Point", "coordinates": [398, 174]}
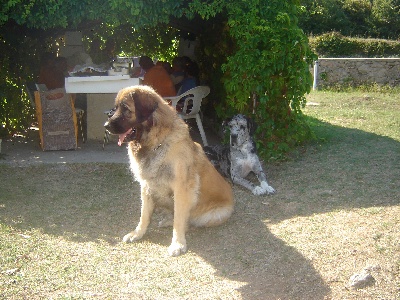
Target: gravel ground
{"type": "Point", "coordinates": [26, 150]}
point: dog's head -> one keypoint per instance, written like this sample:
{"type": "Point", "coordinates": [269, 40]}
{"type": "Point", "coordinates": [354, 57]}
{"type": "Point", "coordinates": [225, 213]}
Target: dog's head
{"type": "Point", "coordinates": [241, 129]}
{"type": "Point", "coordinates": [133, 112]}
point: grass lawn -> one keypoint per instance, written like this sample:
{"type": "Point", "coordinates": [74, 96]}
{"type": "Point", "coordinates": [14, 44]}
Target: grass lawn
{"type": "Point", "coordinates": [336, 212]}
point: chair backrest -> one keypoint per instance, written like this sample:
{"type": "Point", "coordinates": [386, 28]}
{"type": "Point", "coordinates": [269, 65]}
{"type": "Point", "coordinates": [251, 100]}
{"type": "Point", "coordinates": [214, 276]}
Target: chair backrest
{"type": "Point", "coordinates": [30, 89]}
{"type": "Point", "coordinates": [192, 99]}
{"type": "Point", "coordinates": [57, 120]}
{"type": "Point", "coordinates": [41, 87]}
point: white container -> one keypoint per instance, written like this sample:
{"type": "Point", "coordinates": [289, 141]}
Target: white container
{"type": "Point", "coordinates": [113, 72]}
{"type": "Point", "coordinates": [99, 84]}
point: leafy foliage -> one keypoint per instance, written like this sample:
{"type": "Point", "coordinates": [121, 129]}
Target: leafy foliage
{"type": "Point", "coordinates": [268, 74]}
{"type": "Point", "coordinates": [366, 18]}
{"type": "Point", "coordinates": [17, 61]}
{"type": "Point", "coordinates": [256, 56]}
{"type": "Point", "coordinates": [334, 44]}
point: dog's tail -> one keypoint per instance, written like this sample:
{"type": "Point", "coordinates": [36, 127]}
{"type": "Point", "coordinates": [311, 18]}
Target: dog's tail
{"type": "Point", "coordinates": [213, 217]}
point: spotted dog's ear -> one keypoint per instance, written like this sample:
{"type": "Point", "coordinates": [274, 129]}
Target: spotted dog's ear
{"type": "Point", "coordinates": [226, 121]}
{"type": "Point", "coordinates": [251, 125]}
{"type": "Point", "coordinates": [225, 124]}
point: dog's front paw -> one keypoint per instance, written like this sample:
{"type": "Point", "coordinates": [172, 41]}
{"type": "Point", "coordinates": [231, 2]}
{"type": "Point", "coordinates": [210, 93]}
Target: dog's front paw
{"type": "Point", "coordinates": [268, 189]}
{"type": "Point", "coordinates": [132, 236]}
{"type": "Point", "coordinates": [258, 190]}
{"type": "Point", "coordinates": [176, 249]}
{"type": "Point", "coordinates": [264, 188]}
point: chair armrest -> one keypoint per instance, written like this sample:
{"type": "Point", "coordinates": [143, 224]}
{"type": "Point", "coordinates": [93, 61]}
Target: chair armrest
{"type": "Point", "coordinates": [173, 100]}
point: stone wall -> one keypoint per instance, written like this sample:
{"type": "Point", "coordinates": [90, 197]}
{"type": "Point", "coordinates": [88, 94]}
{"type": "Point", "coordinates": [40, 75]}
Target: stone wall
{"type": "Point", "coordinates": [356, 71]}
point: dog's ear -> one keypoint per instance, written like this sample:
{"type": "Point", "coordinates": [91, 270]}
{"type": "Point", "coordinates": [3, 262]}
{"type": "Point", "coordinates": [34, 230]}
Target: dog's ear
{"type": "Point", "coordinates": [226, 121]}
{"type": "Point", "coordinates": [145, 105]}
{"type": "Point", "coordinates": [252, 125]}
{"type": "Point", "coordinates": [225, 124]}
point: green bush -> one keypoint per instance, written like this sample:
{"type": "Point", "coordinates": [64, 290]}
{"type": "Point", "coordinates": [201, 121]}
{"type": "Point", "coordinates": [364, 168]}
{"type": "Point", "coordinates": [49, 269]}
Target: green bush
{"type": "Point", "coordinates": [264, 58]}
{"type": "Point", "coordinates": [16, 113]}
{"type": "Point", "coordinates": [334, 44]}
{"type": "Point", "coordinates": [362, 18]}
{"type": "Point", "coordinates": [257, 59]}
{"type": "Point", "coordinates": [17, 64]}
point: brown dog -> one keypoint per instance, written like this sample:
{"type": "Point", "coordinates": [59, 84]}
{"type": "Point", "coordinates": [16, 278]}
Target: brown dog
{"type": "Point", "coordinates": [172, 170]}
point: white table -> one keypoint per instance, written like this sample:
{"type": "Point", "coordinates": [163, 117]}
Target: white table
{"type": "Point", "coordinates": [101, 92]}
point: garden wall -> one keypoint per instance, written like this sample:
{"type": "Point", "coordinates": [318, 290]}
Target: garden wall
{"type": "Point", "coordinates": [356, 71]}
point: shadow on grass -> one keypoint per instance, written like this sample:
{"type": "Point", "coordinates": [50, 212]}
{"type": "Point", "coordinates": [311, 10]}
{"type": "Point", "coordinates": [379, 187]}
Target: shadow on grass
{"type": "Point", "coordinates": [89, 202]}
{"type": "Point", "coordinates": [344, 168]}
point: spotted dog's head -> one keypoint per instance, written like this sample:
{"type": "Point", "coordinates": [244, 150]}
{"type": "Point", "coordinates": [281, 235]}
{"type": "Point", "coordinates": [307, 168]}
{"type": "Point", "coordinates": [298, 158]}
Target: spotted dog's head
{"type": "Point", "coordinates": [133, 113]}
{"type": "Point", "coordinates": [241, 129]}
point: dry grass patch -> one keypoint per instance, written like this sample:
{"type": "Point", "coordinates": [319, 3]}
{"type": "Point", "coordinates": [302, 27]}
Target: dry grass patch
{"type": "Point", "coordinates": [342, 243]}
{"type": "Point", "coordinates": [335, 213]}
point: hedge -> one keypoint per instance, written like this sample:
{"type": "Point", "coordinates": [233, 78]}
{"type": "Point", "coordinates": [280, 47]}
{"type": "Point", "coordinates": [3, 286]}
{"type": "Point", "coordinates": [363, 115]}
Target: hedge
{"type": "Point", "coordinates": [334, 44]}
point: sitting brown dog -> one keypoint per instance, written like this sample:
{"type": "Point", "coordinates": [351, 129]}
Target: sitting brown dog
{"type": "Point", "coordinates": [172, 170]}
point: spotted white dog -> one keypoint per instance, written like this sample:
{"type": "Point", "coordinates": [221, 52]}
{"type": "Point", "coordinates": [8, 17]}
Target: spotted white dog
{"type": "Point", "coordinates": [237, 160]}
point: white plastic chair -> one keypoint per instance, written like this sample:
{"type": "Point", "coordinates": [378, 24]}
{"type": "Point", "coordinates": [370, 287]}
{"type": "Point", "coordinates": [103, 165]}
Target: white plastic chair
{"type": "Point", "coordinates": [191, 106]}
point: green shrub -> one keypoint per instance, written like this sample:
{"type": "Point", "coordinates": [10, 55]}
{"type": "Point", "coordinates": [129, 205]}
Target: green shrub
{"type": "Point", "coordinates": [334, 44]}
{"type": "Point", "coordinates": [264, 58]}
{"type": "Point", "coordinates": [257, 58]}
{"type": "Point", "coordinates": [16, 113]}
{"type": "Point", "coordinates": [18, 63]}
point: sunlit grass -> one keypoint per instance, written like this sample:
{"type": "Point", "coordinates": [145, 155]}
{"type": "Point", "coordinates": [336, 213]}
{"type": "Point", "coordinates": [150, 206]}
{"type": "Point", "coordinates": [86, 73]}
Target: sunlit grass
{"type": "Point", "coordinates": [336, 212]}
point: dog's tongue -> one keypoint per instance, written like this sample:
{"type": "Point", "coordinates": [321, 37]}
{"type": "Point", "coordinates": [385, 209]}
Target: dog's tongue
{"type": "Point", "coordinates": [123, 136]}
